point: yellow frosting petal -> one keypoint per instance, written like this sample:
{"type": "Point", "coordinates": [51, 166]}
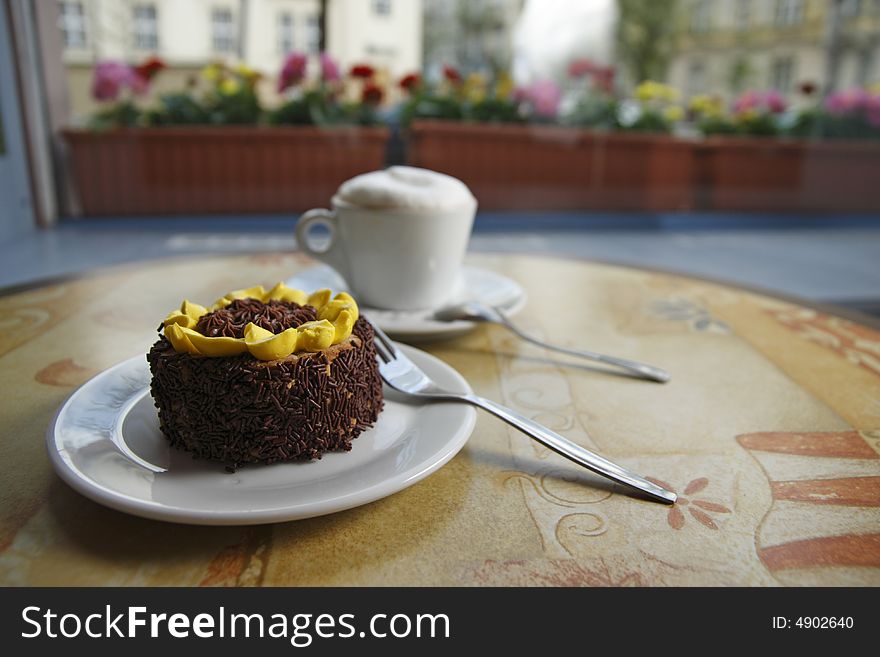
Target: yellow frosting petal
{"type": "Point", "coordinates": [219, 346]}
{"type": "Point", "coordinates": [177, 317]}
{"type": "Point", "coordinates": [342, 325]}
{"type": "Point", "coordinates": [256, 292]}
{"type": "Point", "coordinates": [315, 336]}
{"type": "Point", "coordinates": [273, 347]}
{"type": "Point", "coordinates": [254, 333]}
{"type": "Point", "coordinates": [283, 293]}
{"type": "Point", "coordinates": [179, 339]}
{"type": "Point", "coordinates": [319, 299]}
{"type": "Point", "coordinates": [193, 310]}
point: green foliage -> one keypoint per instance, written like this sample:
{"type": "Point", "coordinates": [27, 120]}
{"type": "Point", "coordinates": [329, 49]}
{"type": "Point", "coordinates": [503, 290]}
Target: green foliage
{"type": "Point", "coordinates": [646, 36]}
{"type": "Point", "coordinates": [494, 110]}
{"type": "Point", "coordinates": [242, 107]}
{"type": "Point", "coordinates": [594, 111]}
{"type": "Point", "coordinates": [427, 105]}
{"type": "Point", "coordinates": [124, 114]}
{"type": "Point", "coordinates": [178, 109]}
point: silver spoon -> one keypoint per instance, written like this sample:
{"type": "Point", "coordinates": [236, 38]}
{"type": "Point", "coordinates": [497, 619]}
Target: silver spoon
{"type": "Point", "coordinates": [474, 311]}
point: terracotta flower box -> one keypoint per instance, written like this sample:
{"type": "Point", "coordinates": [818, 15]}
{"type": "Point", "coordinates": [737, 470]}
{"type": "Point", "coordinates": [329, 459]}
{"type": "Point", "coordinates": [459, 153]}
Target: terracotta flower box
{"type": "Point", "coordinates": [556, 168]}
{"type": "Point", "coordinates": [228, 169]}
{"type": "Point", "coordinates": [762, 174]}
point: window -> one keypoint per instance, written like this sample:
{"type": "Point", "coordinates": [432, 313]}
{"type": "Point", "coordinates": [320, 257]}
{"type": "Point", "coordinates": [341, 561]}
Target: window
{"type": "Point", "coordinates": [789, 12]}
{"type": "Point", "coordinates": [72, 21]}
{"type": "Point", "coordinates": [313, 35]}
{"type": "Point", "coordinates": [285, 32]}
{"type": "Point", "coordinates": [743, 15]}
{"type": "Point", "coordinates": [782, 74]}
{"type": "Point", "coordinates": [382, 7]}
{"type": "Point", "coordinates": [146, 28]}
{"type": "Point", "coordinates": [701, 19]}
{"type": "Point", "coordinates": [222, 30]}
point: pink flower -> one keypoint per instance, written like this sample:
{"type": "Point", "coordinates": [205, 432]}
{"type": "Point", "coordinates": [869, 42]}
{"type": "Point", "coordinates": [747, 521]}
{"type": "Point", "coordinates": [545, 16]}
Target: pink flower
{"type": "Point", "coordinates": [329, 69]}
{"type": "Point", "coordinates": [775, 102]}
{"type": "Point", "coordinates": [111, 77]}
{"type": "Point", "coordinates": [844, 102]}
{"type": "Point", "coordinates": [582, 67]}
{"type": "Point", "coordinates": [746, 102]}
{"type": "Point", "coordinates": [293, 71]}
{"type": "Point", "coordinates": [757, 101]}
{"type": "Point", "coordinates": [544, 97]}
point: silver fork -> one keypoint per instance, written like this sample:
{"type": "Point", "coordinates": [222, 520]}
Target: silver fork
{"type": "Point", "coordinates": [400, 373]}
{"type": "Point", "coordinates": [474, 311]}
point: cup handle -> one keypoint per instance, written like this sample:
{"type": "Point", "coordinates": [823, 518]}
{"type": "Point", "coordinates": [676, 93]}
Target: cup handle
{"type": "Point", "coordinates": [332, 253]}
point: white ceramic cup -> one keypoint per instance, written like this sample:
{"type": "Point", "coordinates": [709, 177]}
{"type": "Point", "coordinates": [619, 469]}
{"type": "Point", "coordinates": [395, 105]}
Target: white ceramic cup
{"type": "Point", "coordinates": [398, 258]}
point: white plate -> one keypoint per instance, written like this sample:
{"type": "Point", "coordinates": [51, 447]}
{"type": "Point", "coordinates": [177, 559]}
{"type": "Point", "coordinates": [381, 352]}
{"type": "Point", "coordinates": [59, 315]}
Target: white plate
{"type": "Point", "coordinates": [419, 326]}
{"type": "Point", "coordinates": [110, 423]}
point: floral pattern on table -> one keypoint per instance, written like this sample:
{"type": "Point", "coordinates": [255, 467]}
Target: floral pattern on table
{"type": "Point", "coordinates": [860, 345]}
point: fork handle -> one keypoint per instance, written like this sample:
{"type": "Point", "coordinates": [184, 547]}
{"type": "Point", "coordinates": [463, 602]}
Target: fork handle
{"type": "Point", "coordinates": [571, 450]}
{"type": "Point", "coordinates": [640, 369]}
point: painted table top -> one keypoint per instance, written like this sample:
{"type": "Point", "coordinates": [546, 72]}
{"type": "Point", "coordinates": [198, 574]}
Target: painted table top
{"type": "Point", "coordinates": [769, 431]}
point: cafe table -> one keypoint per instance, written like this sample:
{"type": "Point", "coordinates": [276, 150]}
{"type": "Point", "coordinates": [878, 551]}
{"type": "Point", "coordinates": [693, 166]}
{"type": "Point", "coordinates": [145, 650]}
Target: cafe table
{"type": "Point", "coordinates": [769, 431]}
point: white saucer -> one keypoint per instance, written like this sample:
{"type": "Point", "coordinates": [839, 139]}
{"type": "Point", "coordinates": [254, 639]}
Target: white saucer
{"type": "Point", "coordinates": [481, 285]}
{"type": "Point", "coordinates": [105, 442]}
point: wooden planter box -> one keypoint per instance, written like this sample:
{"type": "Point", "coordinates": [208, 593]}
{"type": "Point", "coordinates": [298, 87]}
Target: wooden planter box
{"type": "Point", "coordinates": [762, 174]}
{"type": "Point", "coordinates": [553, 168]}
{"type": "Point", "coordinates": [229, 169]}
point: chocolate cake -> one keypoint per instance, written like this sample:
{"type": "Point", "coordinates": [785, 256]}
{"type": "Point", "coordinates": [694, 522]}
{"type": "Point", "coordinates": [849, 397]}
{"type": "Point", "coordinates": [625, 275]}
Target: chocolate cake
{"type": "Point", "coordinates": [273, 406]}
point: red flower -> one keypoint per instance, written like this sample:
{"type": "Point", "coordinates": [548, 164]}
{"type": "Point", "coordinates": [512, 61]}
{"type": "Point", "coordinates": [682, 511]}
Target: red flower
{"type": "Point", "coordinates": [149, 68]}
{"type": "Point", "coordinates": [364, 71]}
{"type": "Point", "coordinates": [603, 78]}
{"type": "Point", "coordinates": [579, 68]}
{"type": "Point", "coordinates": [451, 74]}
{"type": "Point", "coordinates": [372, 94]}
{"type": "Point", "coordinates": [411, 82]}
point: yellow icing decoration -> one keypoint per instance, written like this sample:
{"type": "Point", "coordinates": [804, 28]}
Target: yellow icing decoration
{"type": "Point", "coordinates": [256, 292]}
{"type": "Point", "coordinates": [219, 346]}
{"type": "Point", "coordinates": [193, 310]}
{"type": "Point", "coordinates": [283, 293]}
{"type": "Point", "coordinates": [319, 299]}
{"type": "Point", "coordinates": [179, 340]}
{"type": "Point", "coordinates": [336, 319]}
{"type": "Point", "coordinates": [342, 325]}
{"type": "Point", "coordinates": [315, 336]}
{"type": "Point", "coordinates": [177, 317]}
{"type": "Point", "coordinates": [254, 333]}
{"type": "Point", "coordinates": [265, 345]}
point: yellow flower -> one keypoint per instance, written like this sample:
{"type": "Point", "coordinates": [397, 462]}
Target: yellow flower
{"type": "Point", "coordinates": [475, 87]}
{"type": "Point", "coordinates": [646, 90]}
{"type": "Point", "coordinates": [706, 105]}
{"type": "Point", "coordinates": [673, 113]}
{"type": "Point", "coordinates": [212, 72]}
{"type": "Point", "coordinates": [504, 86]}
{"type": "Point", "coordinates": [650, 90]}
{"type": "Point", "coordinates": [230, 86]}
{"type": "Point", "coordinates": [245, 71]}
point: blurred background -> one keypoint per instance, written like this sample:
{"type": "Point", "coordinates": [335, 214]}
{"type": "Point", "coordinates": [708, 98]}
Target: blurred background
{"type": "Point", "coordinates": [731, 139]}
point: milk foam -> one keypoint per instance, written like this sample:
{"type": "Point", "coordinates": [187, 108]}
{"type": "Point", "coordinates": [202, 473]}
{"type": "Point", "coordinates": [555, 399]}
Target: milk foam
{"type": "Point", "coordinates": [405, 188]}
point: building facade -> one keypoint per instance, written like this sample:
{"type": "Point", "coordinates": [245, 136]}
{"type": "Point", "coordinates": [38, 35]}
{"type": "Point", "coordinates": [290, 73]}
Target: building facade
{"type": "Point", "coordinates": [728, 46]}
{"type": "Point", "coordinates": [189, 34]}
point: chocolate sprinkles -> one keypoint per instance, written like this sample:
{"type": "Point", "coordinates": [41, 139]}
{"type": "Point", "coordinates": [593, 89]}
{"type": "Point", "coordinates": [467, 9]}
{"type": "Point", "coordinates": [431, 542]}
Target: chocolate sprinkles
{"type": "Point", "coordinates": [239, 410]}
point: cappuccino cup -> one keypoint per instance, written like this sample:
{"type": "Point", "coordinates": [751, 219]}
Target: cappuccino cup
{"type": "Point", "coordinates": [397, 236]}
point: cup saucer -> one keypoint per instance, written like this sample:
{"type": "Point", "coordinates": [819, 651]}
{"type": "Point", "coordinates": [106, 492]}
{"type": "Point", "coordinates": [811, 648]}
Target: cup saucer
{"type": "Point", "coordinates": [482, 285]}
